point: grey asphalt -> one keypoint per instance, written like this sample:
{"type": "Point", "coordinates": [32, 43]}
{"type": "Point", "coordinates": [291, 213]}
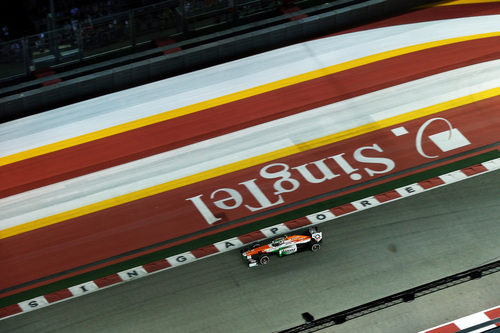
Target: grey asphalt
{"type": "Point", "coordinates": [365, 256]}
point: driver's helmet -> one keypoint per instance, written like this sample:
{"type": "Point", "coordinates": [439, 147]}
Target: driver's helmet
{"type": "Point", "coordinates": [278, 241]}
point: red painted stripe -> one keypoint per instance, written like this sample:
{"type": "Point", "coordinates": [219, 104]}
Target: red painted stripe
{"type": "Point", "coordinates": [474, 170]}
{"type": "Point", "coordinates": [204, 251]}
{"type": "Point", "coordinates": [10, 310]}
{"type": "Point", "coordinates": [450, 328]}
{"type": "Point", "coordinates": [58, 295]}
{"type": "Point", "coordinates": [251, 237]}
{"type": "Point", "coordinates": [156, 265]}
{"type": "Point", "coordinates": [298, 223]}
{"type": "Point", "coordinates": [168, 215]}
{"type": "Point", "coordinates": [387, 196]}
{"type": "Point", "coordinates": [430, 183]}
{"type": "Point", "coordinates": [125, 147]}
{"type": "Point", "coordinates": [108, 280]}
{"type": "Point", "coordinates": [344, 209]}
{"type": "Point", "coordinates": [493, 314]}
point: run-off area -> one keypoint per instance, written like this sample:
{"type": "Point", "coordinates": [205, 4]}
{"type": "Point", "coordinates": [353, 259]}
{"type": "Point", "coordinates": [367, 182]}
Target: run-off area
{"type": "Point", "coordinates": [365, 256]}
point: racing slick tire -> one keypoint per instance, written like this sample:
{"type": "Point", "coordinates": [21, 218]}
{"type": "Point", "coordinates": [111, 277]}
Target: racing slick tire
{"type": "Point", "coordinates": [315, 247]}
{"type": "Point", "coordinates": [263, 260]}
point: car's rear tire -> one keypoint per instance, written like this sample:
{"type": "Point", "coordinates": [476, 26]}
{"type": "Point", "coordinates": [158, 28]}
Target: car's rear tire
{"type": "Point", "coordinates": [263, 260]}
{"type": "Point", "coordinates": [315, 247]}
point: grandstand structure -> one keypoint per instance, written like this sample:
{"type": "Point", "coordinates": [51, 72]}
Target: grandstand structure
{"type": "Point", "coordinates": [76, 31]}
{"type": "Point", "coordinates": [83, 49]}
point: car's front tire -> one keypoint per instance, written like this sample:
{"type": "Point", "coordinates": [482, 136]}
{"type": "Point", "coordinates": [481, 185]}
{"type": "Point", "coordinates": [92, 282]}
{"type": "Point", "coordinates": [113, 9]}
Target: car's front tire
{"type": "Point", "coordinates": [315, 247]}
{"type": "Point", "coordinates": [263, 260]}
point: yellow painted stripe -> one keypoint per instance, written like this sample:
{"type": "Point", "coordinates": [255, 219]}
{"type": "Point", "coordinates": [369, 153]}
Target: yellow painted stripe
{"type": "Point", "coordinates": [233, 97]}
{"type": "Point", "coordinates": [461, 2]}
{"type": "Point", "coordinates": [249, 162]}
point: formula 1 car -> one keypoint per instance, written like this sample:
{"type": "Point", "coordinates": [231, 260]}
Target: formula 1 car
{"type": "Point", "coordinates": [259, 253]}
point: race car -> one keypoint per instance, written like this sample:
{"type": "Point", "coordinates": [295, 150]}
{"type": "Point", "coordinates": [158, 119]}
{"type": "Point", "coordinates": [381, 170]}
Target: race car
{"type": "Point", "coordinates": [259, 253]}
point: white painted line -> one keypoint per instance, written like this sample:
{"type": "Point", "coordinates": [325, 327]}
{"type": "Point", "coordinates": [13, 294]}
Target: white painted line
{"type": "Point", "coordinates": [398, 131]}
{"type": "Point", "coordinates": [83, 288]}
{"type": "Point", "coordinates": [275, 230]}
{"type": "Point", "coordinates": [492, 165]}
{"type": "Point", "coordinates": [447, 142]}
{"type": "Point", "coordinates": [472, 320]}
{"type": "Point", "coordinates": [365, 203]}
{"type": "Point", "coordinates": [453, 177]}
{"type": "Point", "coordinates": [216, 81]}
{"type": "Point", "coordinates": [229, 244]}
{"type": "Point", "coordinates": [181, 259]}
{"type": "Point", "coordinates": [250, 142]}
{"type": "Point", "coordinates": [469, 321]}
{"type": "Point", "coordinates": [132, 273]}
{"type": "Point", "coordinates": [33, 304]}
{"type": "Point", "coordinates": [320, 217]}
{"type": "Point", "coordinates": [410, 190]}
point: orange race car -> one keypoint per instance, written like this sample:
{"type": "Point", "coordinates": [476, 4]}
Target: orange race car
{"type": "Point", "coordinates": [259, 253]}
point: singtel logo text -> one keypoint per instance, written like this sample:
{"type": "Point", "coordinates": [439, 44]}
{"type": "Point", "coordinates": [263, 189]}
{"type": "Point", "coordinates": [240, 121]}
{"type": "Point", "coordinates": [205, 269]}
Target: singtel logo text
{"type": "Point", "coordinates": [288, 179]}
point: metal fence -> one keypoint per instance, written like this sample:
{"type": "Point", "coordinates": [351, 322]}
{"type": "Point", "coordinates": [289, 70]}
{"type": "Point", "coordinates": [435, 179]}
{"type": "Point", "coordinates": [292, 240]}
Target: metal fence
{"type": "Point", "coordinates": [88, 38]}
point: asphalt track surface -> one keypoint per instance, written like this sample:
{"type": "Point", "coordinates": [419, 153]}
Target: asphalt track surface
{"type": "Point", "coordinates": [365, 256]}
